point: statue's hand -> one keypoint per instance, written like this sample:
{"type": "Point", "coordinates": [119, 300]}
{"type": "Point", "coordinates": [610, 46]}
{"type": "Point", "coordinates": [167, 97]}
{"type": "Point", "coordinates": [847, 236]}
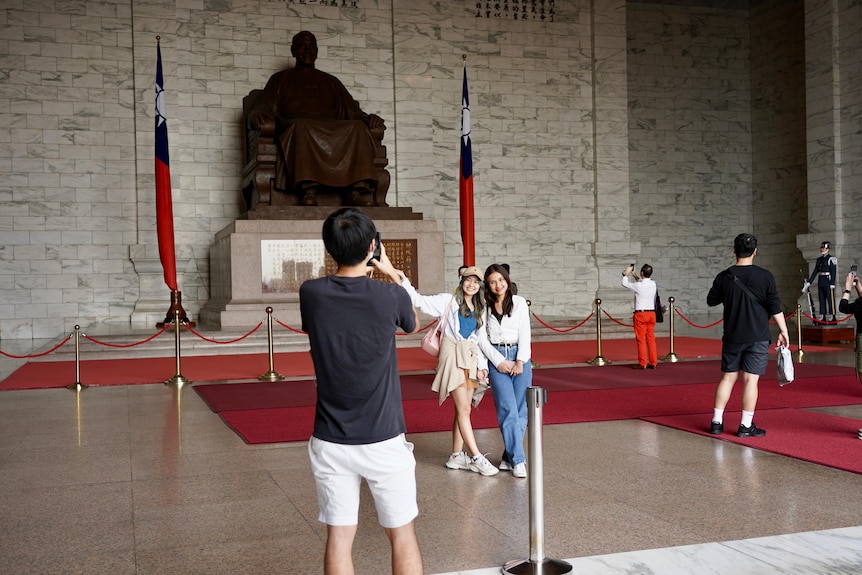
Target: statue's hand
{"type": "Point", "coordinates": [258, 118]}
{"type": "Point", "coordinates": [374, 121]}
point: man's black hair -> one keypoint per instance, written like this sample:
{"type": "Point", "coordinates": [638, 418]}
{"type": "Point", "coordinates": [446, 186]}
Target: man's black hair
{"type": "Point", "coordinates": [646, 271]}
{"type": "Point", "coordinates": [744, 245]}
{"type": "Point", "coordinates": [347, 235]}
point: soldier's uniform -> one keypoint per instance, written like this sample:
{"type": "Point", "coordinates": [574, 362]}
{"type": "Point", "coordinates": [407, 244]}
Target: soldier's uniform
{"type": "Point", "coordinates": [825, 271]}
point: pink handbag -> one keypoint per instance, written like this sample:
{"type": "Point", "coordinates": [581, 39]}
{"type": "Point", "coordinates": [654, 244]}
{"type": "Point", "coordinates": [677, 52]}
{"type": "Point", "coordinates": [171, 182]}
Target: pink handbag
{"type": "Point", "coordinates": [431, 340]}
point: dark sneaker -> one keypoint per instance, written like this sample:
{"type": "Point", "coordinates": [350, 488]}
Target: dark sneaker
{"type": "Point", "coordinates": [752, 431]}
{"type": "Point", "coordinates": [716, 428]}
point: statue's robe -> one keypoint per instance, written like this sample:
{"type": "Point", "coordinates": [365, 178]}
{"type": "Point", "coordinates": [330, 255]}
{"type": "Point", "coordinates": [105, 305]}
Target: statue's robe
{"type": "Point", "coordinates": [322, 133]}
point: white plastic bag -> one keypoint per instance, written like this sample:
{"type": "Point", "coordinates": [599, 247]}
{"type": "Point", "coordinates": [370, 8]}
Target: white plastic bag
{"type": "Point", "coordinates": [785, 365]}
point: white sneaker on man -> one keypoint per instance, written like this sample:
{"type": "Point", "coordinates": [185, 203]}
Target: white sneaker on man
{"type": "Point", "coordinates": [480, 464]}
{"type": "Point", "coordinates": [505, 466]}
{"type": "Point", "coordinates": [458, 461]}
{"type": "Point", "coordinates": [520, 470]}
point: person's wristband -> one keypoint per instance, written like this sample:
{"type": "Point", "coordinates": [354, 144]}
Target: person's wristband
{"type": "Point", "coordinates": [847, 292]}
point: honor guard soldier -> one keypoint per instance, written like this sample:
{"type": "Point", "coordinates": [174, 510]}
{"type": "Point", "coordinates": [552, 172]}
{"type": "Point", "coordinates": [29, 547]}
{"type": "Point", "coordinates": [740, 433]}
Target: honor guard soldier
{"type": "Point", "coordinates": [824, 271]}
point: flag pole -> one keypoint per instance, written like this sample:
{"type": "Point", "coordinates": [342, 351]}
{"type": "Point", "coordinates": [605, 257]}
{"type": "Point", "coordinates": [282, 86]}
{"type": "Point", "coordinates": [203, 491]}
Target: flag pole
{"type": "Point", "coordinates": [164, 202]}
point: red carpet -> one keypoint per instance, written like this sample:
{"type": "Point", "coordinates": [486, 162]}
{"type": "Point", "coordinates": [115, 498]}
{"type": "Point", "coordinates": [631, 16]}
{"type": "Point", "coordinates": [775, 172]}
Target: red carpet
{"type": "Point", "coordinates": [283, 411]}
{"type": "Point", "coordinates": [51, 374]}
{"type": "Point", "coordinates": [807, 435]}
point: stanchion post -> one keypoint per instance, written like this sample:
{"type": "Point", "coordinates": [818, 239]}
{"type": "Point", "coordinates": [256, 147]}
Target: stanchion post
{"type": "Point", "coordinates": [671, 357]}
{"type": "Point", "coordinates": [178, 379]}
{"type": "Point", "coordinates": [270, 375]}
{"type": "Point", "coordinates": [599, 360]}
{"type": "Point", "coordinates": [799, 352]}
{"type": "Point", "coordinates": [77, 386]}
{"type": "Point", "coordinates": [537, 564]}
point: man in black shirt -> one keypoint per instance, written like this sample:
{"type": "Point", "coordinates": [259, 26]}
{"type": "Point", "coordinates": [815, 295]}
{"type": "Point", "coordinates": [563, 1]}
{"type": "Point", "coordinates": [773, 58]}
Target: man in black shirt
{"type": "Point", "coordinates": [359, 420]}
{"type": "Point", "coordinates": [750, 298]}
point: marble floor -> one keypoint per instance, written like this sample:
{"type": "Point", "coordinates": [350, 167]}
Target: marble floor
{"type": "Point", "coordinates": [145, 479]}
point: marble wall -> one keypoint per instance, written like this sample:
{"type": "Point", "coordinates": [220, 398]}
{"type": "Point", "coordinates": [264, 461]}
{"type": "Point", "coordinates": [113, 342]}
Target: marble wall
{"type": "Point", "coordinates": [616, 132]}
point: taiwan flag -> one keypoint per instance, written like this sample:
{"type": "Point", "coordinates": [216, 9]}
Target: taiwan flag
{"type": "Point", "coordinates": [465, 179]}
{"type": "Point", "coordinates": [164, 207]}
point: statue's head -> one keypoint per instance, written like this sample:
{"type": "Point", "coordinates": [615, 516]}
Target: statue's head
{"type": "Point", "coordinates": [304, 48]}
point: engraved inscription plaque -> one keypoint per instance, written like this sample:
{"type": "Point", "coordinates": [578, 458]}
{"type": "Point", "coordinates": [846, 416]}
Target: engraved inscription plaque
{"type": "Point", "coordinates": [285, 264]}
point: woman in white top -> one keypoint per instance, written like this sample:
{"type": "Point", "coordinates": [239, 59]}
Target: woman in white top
{"type": "Point", "coordinates": [505, 341]}
{"type": "Point", "coordinates": [460, 366]}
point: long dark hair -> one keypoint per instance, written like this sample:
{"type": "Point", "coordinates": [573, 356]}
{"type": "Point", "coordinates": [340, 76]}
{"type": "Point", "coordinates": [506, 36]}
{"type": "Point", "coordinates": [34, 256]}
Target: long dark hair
{"type": "Point", "coordinates": [491, 298]}
{"type": "Point", "coordinates": [478, 304]}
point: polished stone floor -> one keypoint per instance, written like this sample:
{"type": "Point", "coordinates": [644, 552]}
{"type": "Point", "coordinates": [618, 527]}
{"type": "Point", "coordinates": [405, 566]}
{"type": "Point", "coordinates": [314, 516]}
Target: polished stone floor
{"type": "Point", "coordinates": [145, 479]}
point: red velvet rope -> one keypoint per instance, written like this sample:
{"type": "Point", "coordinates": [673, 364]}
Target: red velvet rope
{"type": "Point", "coordinates": [106, 344]}
{"type": "Point", "coordinates": [52, 350]}
{"type": "Point", "coordinates": [419, 330]}
{"type": "Point", "coordinates": [293, 329]}
{"type": "Point", "coordinates": [824, 322]}
{"type": "Point", "coordinates": [568, 329]}
{"type": "Point", "coordinates": [240, 338]}
{"type": "Point", "coordinates": [616, 320]}
{"type": "Point", "coordinates": [692, 324]}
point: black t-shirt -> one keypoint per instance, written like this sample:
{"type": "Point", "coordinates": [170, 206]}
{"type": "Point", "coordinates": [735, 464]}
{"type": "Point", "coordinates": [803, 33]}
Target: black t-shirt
{"type": "Point", "coordinates": [746, 319]}
{"type": "Point", "coordinates": [845, 306]}
{"type": "Point", "coordinates": [351, 325]}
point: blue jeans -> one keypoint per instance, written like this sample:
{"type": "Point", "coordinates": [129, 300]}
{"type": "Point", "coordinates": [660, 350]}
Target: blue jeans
{"type": "Point", "coordinates": [510, 399]}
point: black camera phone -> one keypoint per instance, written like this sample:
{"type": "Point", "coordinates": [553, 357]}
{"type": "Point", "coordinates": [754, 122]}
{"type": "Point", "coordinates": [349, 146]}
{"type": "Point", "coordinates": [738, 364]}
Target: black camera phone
{"type": "Point", "coordinates": [376, 254]}
{"type": "Point", "coordinates": [853, 269]}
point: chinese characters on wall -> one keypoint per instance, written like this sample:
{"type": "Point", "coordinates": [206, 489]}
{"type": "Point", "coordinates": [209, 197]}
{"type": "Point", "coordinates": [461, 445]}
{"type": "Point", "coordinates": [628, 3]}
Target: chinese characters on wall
{"type": "Point", "coordinates": [542, 10]}
{"type": "Point", "coordinates": [340, 3]}
{"type": "Point", "coordinates": [286, 264]}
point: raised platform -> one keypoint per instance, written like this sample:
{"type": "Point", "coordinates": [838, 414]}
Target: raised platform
{"type": "Point", "coordinates": [828, 334]}
{"type": "Point", "coordinates": [256, 263]}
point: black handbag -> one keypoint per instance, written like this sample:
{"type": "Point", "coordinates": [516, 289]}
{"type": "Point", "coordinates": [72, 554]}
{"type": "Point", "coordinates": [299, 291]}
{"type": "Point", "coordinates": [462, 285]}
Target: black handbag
{"type": "Point", "coordinates": [659, 315]}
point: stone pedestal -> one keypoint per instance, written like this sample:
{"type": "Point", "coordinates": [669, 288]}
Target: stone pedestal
{"type": "Point", "coordinates": [239, 298]}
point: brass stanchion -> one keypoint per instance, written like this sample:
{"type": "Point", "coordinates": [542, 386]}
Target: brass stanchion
{"type": "Point", "coordinates": [270, 375]}
{"type": "Point", "coordinates": [537, 564]}
{"type": "Point", "coordinates": [799, 352]}
{"type": "Point", "coordinates": [77, 386]}
{"type": "Point", "coordinates": [599, 360]}
{"type": "Point", "coordinates": [671, 356]}
{"type": "Point", "coordinates": [178, 378]}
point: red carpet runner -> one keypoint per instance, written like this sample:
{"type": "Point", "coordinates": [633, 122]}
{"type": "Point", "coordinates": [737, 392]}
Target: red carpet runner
{"type": "Point", "coordinates": [676, 395]}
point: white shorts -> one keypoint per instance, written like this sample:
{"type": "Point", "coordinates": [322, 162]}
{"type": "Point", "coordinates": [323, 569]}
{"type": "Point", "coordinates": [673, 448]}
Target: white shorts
{"type": "Point", "coordinates": [388, 467]}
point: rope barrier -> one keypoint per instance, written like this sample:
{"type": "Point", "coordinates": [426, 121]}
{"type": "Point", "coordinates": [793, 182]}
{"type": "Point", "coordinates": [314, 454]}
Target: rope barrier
{"type": "Point", "coordinates": [52, 350]}
{"type": "Point", "coordinates": [240, 338]}
{"type": "Point", "coordinates": [123, 345]}
{"type": "Point", "coordinates": [420, 330]}
{"type": "Point", "coordinates": [824, 322]}
{"type": "Point", "coordinates": [574, 327]}
{"type": "Point", "coordinates": [692, 324]}
{"type": "Point", "coordinates": [293, 329]}
{"type": "Point", "coordinates": [616, 321]}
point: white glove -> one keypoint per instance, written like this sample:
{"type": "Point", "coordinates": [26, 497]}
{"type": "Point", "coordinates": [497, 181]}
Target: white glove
{"type": "Point", "coordinates": [805, 286]}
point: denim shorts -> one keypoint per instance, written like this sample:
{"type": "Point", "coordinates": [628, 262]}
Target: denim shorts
{"type": "Point", "coordinates": [748, 357]}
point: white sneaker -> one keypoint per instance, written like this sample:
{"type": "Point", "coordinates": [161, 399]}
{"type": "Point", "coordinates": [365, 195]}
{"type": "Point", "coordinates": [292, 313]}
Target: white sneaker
{"type": "Point", "coordinates": [458, 461]}
{"type": "Point", "coordinates": [505, 466]}
{"type": "Point", "coordinates": [520, 470]}
{"type": "Point", "coordinates": [480, 464]}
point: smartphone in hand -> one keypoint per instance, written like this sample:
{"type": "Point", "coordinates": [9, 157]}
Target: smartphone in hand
{"type": "Point", "coordinates": [376, 254]}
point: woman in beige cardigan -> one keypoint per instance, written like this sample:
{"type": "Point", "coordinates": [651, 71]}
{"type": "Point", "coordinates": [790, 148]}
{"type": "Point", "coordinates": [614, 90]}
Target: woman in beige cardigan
{"type": "Point", "coordinates": [460, 366]}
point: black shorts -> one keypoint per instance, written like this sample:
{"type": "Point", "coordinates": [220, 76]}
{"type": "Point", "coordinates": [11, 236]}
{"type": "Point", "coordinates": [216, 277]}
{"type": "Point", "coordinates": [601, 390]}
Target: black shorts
{"type": "Point", "coordinates": [748, 357]}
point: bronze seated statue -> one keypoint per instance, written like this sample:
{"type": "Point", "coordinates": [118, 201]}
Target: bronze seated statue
{"type": "Point", "coordinates": [308, 143]}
